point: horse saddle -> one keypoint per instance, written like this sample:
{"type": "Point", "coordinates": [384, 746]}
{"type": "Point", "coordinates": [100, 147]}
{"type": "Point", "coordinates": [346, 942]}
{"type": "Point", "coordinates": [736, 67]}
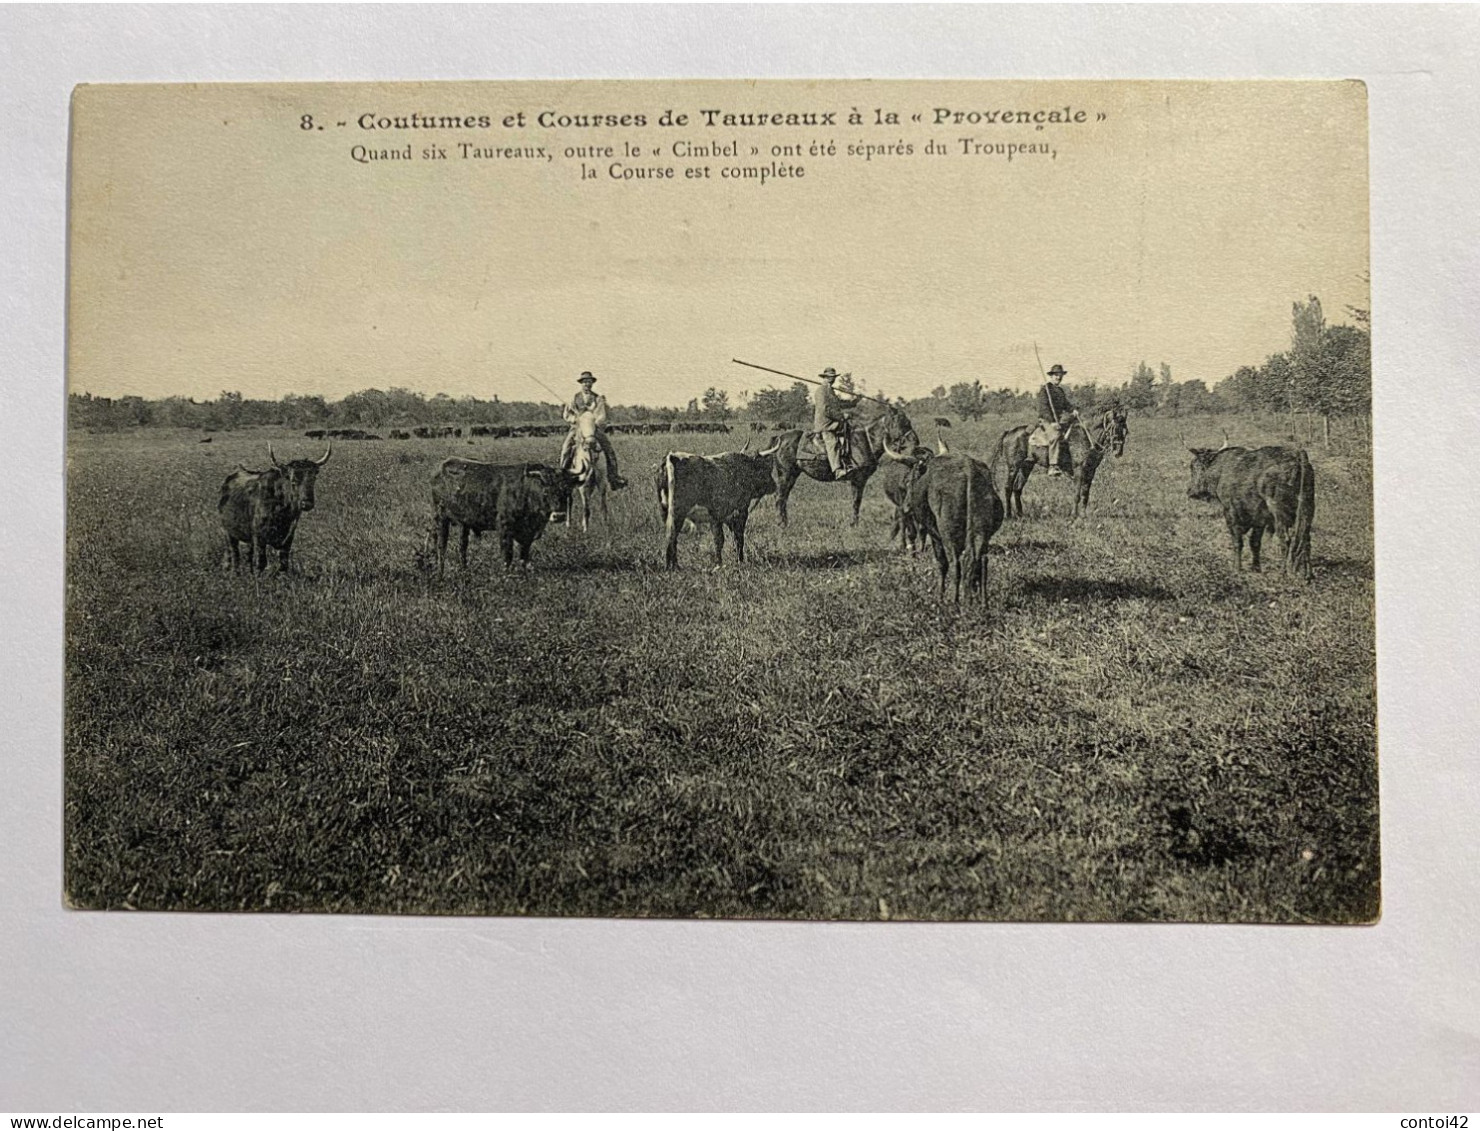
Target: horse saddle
{"type": "Point", "coordinates": [1046, 434]}
{"type": "Point", "coordinates": [811, 447]}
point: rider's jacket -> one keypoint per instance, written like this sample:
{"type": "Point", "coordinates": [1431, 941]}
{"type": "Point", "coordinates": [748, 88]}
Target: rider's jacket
{"type": "Point", "coordinates": [1053, 402]}
{"type": "Point", "coordinates": [593, 403]}
{"type": "Point", "coordinates": [827, 408]}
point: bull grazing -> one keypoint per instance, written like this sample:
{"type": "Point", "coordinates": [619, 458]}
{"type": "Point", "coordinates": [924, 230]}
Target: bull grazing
{"type": "Point", "coordinates": [1260, 489]}
{"type": "Point", "coordinates": [955, 502]}
{"type": "Point", "coordinates": [260, 509]}
{"type": "Point", "coordinates": [516, 500]}
{"type": "Point", "coordinates": [722, 487]}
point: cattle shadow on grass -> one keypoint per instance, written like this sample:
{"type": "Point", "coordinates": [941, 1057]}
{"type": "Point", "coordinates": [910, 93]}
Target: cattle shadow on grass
{"type": "Point", "coordinates": [1356, 569]}
{"type": "Point", "coordinates": [832, 559]}
{"type": "Point", "coordinates": [604, 563]}
{"type": "Point", "coordinates": [1093, 589]}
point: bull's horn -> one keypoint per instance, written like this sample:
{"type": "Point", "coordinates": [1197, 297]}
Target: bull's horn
{"type": "Point", "coordinates": [771, 451]}
{"type": "Point", "coordinates": [892, 454]}
{"type": "Point", "coordinates": [746, 448]}
{"type": "Point", "coordinates": [1225, 439]}
{"type": "Point", "coordinates": [325, 457]}
{"type": "Point", "coordinates": [272, 457]}
{"type": "Point", "coordinates": [940, 445]}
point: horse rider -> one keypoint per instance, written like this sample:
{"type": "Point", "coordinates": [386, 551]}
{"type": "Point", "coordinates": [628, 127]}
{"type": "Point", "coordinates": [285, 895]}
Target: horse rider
{"type": "Point", "coordinates": [593, 402]}
{"type": "Point", "coordinates": [830, 419]}
{"type": "Point", "coordinates": [1055, 414]}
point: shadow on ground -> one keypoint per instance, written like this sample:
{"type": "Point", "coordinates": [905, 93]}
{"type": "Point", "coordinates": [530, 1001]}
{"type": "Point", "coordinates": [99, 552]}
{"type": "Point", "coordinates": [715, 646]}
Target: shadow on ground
{"type": "Point", "coordinates": [834, 559]}
{"type": "Point", "coordinates": [1090, 589]}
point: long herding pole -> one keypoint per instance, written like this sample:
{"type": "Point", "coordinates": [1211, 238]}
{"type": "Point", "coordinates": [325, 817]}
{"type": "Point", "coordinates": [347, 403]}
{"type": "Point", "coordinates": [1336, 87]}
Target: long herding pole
{"type": "Point", "coordinates": [1045, 382]}
{"type": "Point", "coordinates": [808, 380]}
{"type": "Point", "coordinates": [558, 398]}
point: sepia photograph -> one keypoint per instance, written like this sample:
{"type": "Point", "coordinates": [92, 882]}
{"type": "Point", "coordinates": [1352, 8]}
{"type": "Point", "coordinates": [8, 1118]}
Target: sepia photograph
{"type": "Point", "coordinates": [805, 500]}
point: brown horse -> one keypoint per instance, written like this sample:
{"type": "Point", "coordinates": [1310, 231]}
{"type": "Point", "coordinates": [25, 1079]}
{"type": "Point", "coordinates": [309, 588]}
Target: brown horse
{"type": "Point", "coordinates": [801, 453]}
{"type": "Point", "coordinates": [1087, 445]}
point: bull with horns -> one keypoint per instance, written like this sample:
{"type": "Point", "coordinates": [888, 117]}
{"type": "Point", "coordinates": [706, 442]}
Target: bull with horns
{"type": "Point", "coordinates": [261, 508]}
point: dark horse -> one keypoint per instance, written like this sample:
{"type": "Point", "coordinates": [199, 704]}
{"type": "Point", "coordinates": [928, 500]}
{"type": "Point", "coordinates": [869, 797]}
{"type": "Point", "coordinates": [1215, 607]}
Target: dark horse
{"type": "Point", "coordinates": [799, 453]}
{"type": "Point", "coordinates": [1087, 445]}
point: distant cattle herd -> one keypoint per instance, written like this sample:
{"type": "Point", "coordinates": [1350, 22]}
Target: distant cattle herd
{"type": "Point", "coordinates": [949, 501]}
{"type": "Point", "coordinates": [519, 431]}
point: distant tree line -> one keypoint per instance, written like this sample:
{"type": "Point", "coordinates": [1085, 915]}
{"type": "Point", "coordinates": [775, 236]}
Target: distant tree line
{"type": "Point", "coordinates": [370, 408]}
{"type": "Point", "coordinates": [1326, 373]}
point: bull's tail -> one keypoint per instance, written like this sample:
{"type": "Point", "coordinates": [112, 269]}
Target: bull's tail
{"type": "Point", "coordinates": [1305, 507]}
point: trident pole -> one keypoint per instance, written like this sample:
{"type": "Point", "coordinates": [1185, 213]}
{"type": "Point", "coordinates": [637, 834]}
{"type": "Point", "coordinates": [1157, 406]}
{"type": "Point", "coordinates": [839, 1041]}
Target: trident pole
{"type": "Point", "coordinates": [807, 380]}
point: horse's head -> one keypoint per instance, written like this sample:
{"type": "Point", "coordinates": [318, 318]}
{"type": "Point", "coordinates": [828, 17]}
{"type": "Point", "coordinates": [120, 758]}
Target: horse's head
{"type": "Point", "coordinates": [585, 426]}
{"type": "Point", "coordinates": [1113, 429]}
{"type": "Point", "coordinates": [898, 431]}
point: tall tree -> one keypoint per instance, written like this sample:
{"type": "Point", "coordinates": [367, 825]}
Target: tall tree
{"type": "Point", "coordinates": [1307, 354]}
{"type": "Point", "coordinates": [1140, 393]}
{"type": "Point", "coordinates": [966, 400]}
{"type": "Point", "coordinates": [716, 403]}
{"type": "Point", "coordinates": [1167, 393]}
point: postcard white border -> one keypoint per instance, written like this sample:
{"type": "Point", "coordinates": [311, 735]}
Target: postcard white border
{"type": "Point", "coordinates": [194, 1012]}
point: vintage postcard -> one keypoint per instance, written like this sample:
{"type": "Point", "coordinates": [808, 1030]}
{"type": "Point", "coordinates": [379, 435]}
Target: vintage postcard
{"type": "Point", "coordinates": [804, 500]}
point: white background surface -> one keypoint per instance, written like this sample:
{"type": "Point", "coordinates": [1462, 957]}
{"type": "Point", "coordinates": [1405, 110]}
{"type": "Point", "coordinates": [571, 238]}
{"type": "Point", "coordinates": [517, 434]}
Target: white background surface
{"type": "Point", "coordinates": [144, 1013]}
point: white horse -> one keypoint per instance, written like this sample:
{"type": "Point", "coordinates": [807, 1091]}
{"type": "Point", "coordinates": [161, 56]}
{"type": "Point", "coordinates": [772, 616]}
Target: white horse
{"type": "Point", "coordinates": [589, 462]}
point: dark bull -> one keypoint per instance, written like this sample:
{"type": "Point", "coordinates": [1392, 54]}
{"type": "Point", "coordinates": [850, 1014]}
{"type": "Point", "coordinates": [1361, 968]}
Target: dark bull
{"type": "Point", "coordinates": [261, 508]}
{"type": "Point", "coordinates": [899, 472]}
{"type": "Point", "coordinates": [516, 500]}
{"type": "Point", "coordinates": [956, 504]}
{"type": "Point", "coordinates": [1260, 489]}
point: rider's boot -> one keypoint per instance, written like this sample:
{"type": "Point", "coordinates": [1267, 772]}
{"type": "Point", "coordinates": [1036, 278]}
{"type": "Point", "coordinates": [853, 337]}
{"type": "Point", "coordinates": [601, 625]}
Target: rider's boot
{"type": "Point", "coordinates": [612, 477]}
{"type": "Point", "coordinates": [1055, 457]}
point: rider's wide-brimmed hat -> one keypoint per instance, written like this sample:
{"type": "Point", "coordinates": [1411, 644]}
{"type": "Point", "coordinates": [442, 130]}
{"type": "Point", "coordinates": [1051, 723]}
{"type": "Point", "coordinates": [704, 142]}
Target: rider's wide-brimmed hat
{"type": "Point", "coordinates": [828, 372]}
{"type": "Point", "coordinates": [1058, 371]}
{"type": "Point", "coordinates": [585, 378]}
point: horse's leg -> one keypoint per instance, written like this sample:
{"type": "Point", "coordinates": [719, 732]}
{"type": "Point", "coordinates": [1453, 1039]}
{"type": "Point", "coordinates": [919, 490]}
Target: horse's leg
{"type": "Point", "coordinates": [784, 484]}
{"type": "Point", "coordinates": [857, 485]}
{"type": "Point", "coordinates": [1020, 480]}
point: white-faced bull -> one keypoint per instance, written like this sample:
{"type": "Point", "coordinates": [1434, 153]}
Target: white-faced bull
{"type": "Point", "coordinates": [261, 508]}
{"type": "Point", "coordinates": [1260, 489]}
{"type": "Point", "coordinates": [955, 502]}
{"type": "Point", "coordinates": [515, 500]}
{"type": "Point", "coordinates": [720, 489]}
{"type": "Point", "coordinates": [1086, 445]}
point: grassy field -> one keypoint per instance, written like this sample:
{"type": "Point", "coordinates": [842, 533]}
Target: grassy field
{"type": "Point", "coordinates": [1129, 730]}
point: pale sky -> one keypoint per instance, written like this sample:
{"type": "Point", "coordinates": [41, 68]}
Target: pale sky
{"type": "Point", "coordinates": [218, 246]}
